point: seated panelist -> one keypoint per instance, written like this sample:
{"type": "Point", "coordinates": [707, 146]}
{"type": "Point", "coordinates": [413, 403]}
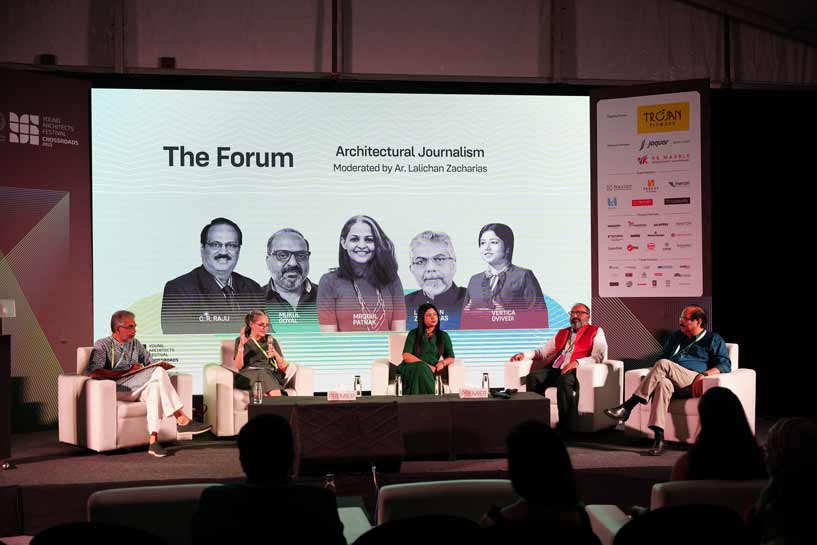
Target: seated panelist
{"type": "Point", "coordinates": [258, 357]}
{"type": "Point", "coordinates": [427, 352]}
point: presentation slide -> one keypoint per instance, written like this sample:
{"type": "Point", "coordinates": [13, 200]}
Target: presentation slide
{"type": "Point", "coordinates": [339, 214]}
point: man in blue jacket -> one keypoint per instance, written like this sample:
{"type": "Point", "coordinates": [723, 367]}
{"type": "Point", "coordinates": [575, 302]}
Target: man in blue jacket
{"type": "Point", "coordinates": [690, 354]}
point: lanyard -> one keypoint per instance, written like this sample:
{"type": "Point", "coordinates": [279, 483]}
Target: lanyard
{"type": "Point", "coordinates": [571, 340]}
{"type": "Point", "coordinates": [271, 361]}
{"type": "Point", "coordinates": [687, 347]}
{"type": "Point", "coordinates": [113, 347]}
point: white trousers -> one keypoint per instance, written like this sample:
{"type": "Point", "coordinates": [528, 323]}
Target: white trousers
{"type": "Point", "coordinates": [159, 396]}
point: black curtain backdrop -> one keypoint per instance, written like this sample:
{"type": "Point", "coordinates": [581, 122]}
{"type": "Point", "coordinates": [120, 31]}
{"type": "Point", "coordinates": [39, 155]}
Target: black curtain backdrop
{"type": "Point", "coordinates": [763, 170]}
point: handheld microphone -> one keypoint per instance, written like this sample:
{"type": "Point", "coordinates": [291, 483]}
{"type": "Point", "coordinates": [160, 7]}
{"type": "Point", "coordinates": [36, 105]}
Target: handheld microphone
{"type": "Point", "coordinates": [270, 345]}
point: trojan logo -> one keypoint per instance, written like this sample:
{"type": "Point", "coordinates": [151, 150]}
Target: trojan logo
{"type": "Point", "coordinates": [663, 117]}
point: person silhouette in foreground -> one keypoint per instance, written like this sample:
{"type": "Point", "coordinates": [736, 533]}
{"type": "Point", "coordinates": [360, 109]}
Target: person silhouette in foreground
{"type": "Point", "coordinates": [725, 447]}
{"type": "Point", "coordinates": [542, 475]}
{"type": "Point", "coordinates": [268, 506]}
{"type": "Point", "coordinates": [781, 516]}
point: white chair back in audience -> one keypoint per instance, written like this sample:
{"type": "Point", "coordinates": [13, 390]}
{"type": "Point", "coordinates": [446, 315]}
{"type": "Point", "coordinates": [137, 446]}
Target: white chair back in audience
{"type": "Point", "coordinates": [607, 520]}
{"type": "Point", "coordinates": [164, 511]}
{"type": "Point", "coordinates": [736, 495]}
{"type": "Point", "coordinates": [469, 498]}
{"type": "Point", "coordinates": [167, 510]}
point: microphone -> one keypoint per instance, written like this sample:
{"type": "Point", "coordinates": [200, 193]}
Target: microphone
{"type": "Point", "coordinates": [270, 345]}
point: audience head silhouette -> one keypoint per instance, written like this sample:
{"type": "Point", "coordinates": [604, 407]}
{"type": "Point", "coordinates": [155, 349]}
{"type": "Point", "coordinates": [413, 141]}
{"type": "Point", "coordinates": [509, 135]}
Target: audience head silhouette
{"type": "Point", "coordinates": [791, 459]}
{"type": "Point", "coordinates": [724, 434]}
{"type": "Point", "coordinates": [791, 448]}
{"type": "Point", "coordinates": [529, 444]}
{"type": "Point", "coordinates": [266, 449]}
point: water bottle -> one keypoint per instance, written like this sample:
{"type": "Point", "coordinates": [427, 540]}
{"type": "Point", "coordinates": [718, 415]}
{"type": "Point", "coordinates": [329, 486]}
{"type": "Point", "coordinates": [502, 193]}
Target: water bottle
{"type": "Point", "coordinates": [398, 386]}
{"type": "Point", "coordinates": [439, 387]}
{"type": "Point", "coordinates": [358, 387]}
{"type": "Point", "coordinates": [486, 382]}
{"type": "Point", "coordinates": [257, 393]}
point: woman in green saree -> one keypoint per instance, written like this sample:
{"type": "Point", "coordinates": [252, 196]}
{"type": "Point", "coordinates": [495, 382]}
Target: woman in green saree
{"type": "Point", "coordinates": [427, 352]}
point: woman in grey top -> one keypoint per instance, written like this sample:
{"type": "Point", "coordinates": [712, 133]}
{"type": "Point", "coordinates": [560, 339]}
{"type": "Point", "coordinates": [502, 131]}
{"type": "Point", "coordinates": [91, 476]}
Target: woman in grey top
{"type": "Point", "coordinates": [258, 356]}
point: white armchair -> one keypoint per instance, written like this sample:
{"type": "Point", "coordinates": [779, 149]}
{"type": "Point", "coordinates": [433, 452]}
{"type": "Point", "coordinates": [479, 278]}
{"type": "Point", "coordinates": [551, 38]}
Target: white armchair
{"type": "Point", "coordinates": [383, 381]}
{"type": "Point", "coordinates": [90, 416]}
{"type": "Point", "coordinates": [607, 520]}
{"type": "Point", "coordinates": [600, 386]}
{"type": "Point", "coordinates": [682, 426]}
{"type": "Point", "coordinates": [227, 407]}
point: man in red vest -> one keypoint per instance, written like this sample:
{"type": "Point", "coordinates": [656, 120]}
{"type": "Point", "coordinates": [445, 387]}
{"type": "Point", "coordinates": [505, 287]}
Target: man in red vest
{"type": "Point", "coordinates": [555, 363]}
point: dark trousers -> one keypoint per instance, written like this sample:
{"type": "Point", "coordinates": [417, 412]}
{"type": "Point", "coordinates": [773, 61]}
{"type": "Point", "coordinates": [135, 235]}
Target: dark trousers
{"type": "Point", "coordinates": [567, 392]}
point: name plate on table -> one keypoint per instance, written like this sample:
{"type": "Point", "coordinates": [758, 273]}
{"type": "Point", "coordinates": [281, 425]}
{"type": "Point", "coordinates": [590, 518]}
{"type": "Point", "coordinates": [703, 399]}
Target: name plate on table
{"type": "Point", "coordinates": [474, 393]}
{"type": "Point", "coordinates": [341, 395]}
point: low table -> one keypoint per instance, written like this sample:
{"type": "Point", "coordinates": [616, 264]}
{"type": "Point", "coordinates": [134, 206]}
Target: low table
{"type": "Point", "coordinates": [389, 427]}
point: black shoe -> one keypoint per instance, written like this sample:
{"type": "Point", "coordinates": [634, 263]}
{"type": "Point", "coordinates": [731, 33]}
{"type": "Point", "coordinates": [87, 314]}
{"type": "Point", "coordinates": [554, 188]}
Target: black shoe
{"type": "Point", "coordinates": [658, 447]}
{"type": "Point", "coordinates": [620, 413]}
{"type": "Point", "coordinates": [193, 427]}
{"type": "Point", "coordinates": [157, 450]}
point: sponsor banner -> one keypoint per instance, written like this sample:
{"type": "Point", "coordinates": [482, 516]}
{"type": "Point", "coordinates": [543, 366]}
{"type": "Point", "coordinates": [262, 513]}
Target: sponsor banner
{"type": "Point", "coordinates": [649, 198]}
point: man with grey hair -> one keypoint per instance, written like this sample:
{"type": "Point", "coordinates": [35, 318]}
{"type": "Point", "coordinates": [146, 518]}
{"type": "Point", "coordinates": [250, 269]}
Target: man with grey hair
{"type": "Point", "coordinates": [122, 358]}
{"type": "Point", "coordinates": [555, 362]}
{"type": "Point", "coordinates": [434, 264]}
{"type": "Point", "coordinates": [290, 295]}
